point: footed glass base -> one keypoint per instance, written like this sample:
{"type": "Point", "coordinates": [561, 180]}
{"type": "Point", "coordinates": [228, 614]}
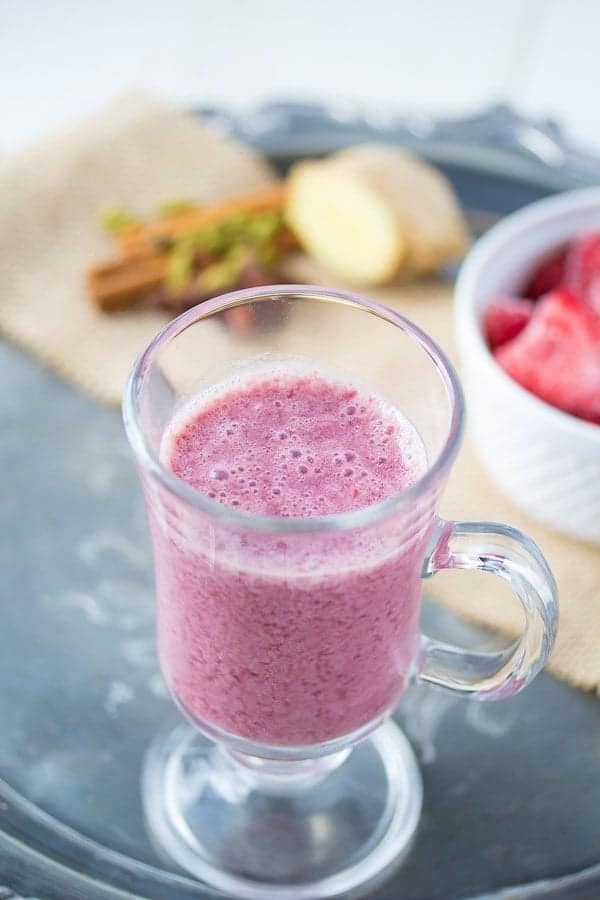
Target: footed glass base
{"type": "Point", "coordinates": [263, 829]}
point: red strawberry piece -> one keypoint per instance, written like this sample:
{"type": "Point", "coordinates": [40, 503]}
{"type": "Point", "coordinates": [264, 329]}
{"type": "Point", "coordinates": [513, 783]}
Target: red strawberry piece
{"type": "Point", "coordinates": [504, 318]}
{"type": "Point", "coordinates": [547, 275]}
{"type": "Point", "coordinates": [582, 269]}
{"type": "Point", "coordinates": [557, 355]}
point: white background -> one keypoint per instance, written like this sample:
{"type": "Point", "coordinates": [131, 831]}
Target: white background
{"type": "Point", "coordinates": [61, 59]}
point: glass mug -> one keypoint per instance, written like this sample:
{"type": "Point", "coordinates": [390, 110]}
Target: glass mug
{"type": "Point", "coordinates": [287, 642]}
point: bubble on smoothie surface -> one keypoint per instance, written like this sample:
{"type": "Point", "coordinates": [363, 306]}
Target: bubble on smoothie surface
{"type": "Point", "coordinates": [288, 443]}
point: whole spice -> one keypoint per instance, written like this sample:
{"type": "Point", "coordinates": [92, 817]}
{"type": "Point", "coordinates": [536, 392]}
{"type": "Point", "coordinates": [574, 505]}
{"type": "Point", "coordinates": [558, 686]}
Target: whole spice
{"type": "Point", "coordinates": [187, 254]}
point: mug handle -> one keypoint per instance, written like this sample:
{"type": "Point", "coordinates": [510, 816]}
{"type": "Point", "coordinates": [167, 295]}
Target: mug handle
{"type": "Point", "coordinates": [511, 554]}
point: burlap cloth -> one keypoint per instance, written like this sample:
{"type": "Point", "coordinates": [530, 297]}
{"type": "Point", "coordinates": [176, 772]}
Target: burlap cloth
{"type": "Point", "coordinates": [139, 153]}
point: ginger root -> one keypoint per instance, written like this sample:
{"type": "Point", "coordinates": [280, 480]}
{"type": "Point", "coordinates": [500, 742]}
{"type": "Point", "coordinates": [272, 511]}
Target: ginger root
{"type": "Point", "coordinates": [373, 212]}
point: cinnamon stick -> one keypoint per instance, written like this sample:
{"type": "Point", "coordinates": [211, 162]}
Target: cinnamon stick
{"type": "Point", "coordinates": [142, 263]}
{"type": "Point", "coordinates": [121, 281]}
{"type": "Point", "coordinates": [165, 228]}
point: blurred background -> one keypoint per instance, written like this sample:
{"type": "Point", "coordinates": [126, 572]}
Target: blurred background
{"type": "Point", "coordinates": [60, 60]}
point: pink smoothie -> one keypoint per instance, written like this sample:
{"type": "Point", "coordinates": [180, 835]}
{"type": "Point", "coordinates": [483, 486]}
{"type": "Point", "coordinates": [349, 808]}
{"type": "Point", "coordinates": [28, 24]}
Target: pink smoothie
{"type": "Point", "coordinates": [289, 639]}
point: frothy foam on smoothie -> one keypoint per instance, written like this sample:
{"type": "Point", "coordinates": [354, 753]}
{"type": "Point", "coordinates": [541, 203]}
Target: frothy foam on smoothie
{"type": "Point", "coordinates": [293, 442]}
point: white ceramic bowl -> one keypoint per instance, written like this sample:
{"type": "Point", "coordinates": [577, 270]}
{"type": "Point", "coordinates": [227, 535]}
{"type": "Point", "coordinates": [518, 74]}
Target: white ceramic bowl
{"type": "Point", "coordinates": [544, 460]}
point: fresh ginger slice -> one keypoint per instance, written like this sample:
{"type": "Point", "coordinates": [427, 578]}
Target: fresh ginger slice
{"type": "Point", "coordinates": [373, 211]}
{"type": "Point", "coordinates": [343, 223]}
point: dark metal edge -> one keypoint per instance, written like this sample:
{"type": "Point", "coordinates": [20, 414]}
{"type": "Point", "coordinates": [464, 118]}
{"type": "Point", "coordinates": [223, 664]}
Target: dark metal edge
{"type": "Point", "coordinates": [499, 139]}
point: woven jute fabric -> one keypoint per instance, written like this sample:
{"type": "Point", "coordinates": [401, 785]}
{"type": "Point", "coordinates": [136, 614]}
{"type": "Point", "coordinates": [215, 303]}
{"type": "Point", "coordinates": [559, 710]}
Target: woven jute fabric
{"type": "Point", "coordinates": [139, 153]}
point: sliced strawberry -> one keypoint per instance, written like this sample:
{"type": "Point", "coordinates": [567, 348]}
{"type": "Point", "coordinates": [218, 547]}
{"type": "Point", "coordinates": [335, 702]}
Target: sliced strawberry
{"type": "Point", "coordinates": [547, 275]}
{"type": "Point", "coordinates": [582, 269]}
{"type": "Point", "coordinates": [557, 355]}
{"type": "Point", "coordinates": [504, 318]}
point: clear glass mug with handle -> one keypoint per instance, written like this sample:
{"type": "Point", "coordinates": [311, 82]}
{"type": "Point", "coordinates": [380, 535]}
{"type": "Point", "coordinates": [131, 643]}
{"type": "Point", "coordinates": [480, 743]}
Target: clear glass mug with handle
{"type": "Point", "coordinates": [287, 642]}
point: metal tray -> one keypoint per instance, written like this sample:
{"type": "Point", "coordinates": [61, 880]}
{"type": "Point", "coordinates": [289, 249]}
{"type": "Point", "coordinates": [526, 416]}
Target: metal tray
{"type": "Point", "coordinates": [512, 790]}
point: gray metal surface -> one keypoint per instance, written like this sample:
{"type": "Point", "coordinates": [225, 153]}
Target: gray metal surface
{"type": "Point", "coordinates": [512, 790]}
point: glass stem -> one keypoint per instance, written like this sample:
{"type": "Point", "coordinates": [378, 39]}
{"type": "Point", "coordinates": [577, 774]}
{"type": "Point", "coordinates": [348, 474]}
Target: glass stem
{"type": "Point", "coordinates": [274, 776]}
